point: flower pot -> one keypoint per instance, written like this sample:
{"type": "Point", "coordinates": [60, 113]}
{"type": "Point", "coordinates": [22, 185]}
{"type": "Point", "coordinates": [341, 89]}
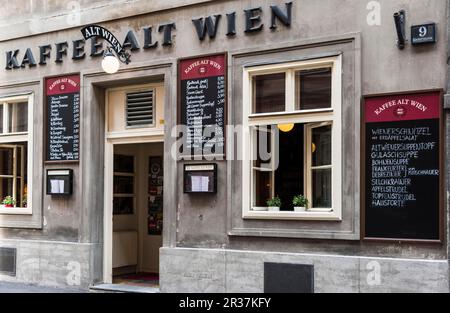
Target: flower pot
{"type": "Point", "coordinates": [274, 209]}
{"type": "Point", "coordinates": [300, 209]}
{"type": "Point", "coordinates": [9, 205]}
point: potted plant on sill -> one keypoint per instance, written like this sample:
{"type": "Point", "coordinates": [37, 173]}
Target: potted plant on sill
{"type": "Point", "coordinates": [300, 203]}
{"type": "Point", "coordinates": [274, 204]}
{"type": "Point", "coordinates": [9, 202]}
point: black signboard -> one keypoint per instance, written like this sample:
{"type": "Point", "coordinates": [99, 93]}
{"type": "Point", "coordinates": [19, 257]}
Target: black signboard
{"type": "Point", "coordinates": [423, 34]}
{"type": "Point", "coordinates": [63, 119]}
{"type": "Point", "coordinates": [402, 167]}
{"type": "Point", "coordinates": [203, 104]}
{"type": "Point", "coordinates": [200, 178]}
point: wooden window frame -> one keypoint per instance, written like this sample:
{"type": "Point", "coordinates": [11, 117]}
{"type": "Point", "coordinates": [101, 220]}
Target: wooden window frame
{"type": "Point", "coordinates": [11, 138]}
{"type": "Point", "coordinates": [330, 115]}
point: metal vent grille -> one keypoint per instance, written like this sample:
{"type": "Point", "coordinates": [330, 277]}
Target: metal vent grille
{"type": "Point", "coordinates": [140, 108]}
{"type": "Point", "coordinates": [8, 261]}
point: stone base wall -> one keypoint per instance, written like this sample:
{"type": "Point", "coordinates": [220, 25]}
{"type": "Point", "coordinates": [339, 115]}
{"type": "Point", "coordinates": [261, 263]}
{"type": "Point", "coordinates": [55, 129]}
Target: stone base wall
{"type": "Point", "coordinates": [207, 270]}
{"type": "Point", "coordinates": [55, 264]}
{"type": "Point", "coordinates": [77, 265]}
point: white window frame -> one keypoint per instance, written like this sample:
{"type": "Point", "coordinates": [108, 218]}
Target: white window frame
{"type": "Point", "coordinates": [308, 168]}
{"type": "Point", "coordinates": [270, 168]}
{"type": "Point", "coordinates": [331, 115]}
{"type": "Point", "coordinates": [9, 138]}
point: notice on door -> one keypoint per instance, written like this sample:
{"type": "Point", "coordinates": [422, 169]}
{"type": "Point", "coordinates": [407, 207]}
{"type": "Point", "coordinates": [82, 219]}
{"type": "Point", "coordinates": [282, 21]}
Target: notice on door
{"type": "Point", "coordinates": [63, 118]}
{"type": "Point", "coordinates": [402, 167]}
{"type": "Point", "coordinates": [202, 104]}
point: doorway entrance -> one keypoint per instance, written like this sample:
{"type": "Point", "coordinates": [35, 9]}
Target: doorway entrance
{"type": "Point", "coordinates": [138, 181]}
{"type": "Point", "coordinates": [134, 184]}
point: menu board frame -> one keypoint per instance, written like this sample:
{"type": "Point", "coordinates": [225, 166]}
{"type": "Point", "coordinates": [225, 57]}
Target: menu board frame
{"type": "Point", "coordinates": [442, 175]}
{"type": "Point", "coordinates": [191, 156]}
{"type": "Point", "coordinates": [46, 138]}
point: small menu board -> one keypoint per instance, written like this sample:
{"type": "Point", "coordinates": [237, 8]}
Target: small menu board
{"type": "Point", "coordinates": [402, 167]}
{"type": "Point", "coordinates": [63, 118]}
{"type": "Point", "coordinates": [203, 104]}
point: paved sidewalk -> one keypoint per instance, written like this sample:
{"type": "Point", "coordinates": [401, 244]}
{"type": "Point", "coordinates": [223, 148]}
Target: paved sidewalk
{"type": "Point", "coordinates": [24, 288]}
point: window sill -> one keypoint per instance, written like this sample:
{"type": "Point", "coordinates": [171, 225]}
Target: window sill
{"type": "Point", "coordinates": [15, 211]}
{"type": "Point", "coordinates": [290, 215]}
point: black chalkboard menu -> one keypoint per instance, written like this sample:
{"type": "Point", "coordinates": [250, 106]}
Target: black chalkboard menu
{"type": "Point", "coordinates": [203, 105]}
{"type": "Point", "coordinates": [63, 118]}
{"type": "Point", "coordinates": [402, 167]}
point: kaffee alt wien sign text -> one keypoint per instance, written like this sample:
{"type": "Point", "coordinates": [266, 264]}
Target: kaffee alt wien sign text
{"type": "Point", "coordinates": [204, 27]}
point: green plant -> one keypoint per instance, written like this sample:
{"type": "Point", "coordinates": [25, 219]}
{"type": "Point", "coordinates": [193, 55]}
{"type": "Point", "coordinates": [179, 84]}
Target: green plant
{"type": "Point", "coordinates": [300, 201]}
{"type": "Point", "coordinates": [9, 200]}
{"type": "Point", "coordinates": [274, 202]}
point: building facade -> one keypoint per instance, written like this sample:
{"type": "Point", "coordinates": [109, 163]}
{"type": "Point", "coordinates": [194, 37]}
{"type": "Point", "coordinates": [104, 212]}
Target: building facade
{"type": "Point", "coordinates": [358, 120]}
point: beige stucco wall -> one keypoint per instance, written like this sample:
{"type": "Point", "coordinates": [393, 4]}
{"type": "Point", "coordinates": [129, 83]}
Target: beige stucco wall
{"type": "Point", "coordinates": [382, 61]}
{"type": "Point", "coordinates": [29, 17]}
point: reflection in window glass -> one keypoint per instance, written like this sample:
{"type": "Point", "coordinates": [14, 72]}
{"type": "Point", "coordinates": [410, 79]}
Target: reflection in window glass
{"type": "Point", "coordinates": [313, 89]}
{"type": "Point", "coordinates": [321, 166]}
{"type": "Point", "coordinates": [13, 173]}
{"type": "Point", "coordinates": [262, 165]}
{"type": "Point", "coordinates": [321, 184]}
{"type": "Point", "coordinates": [6, 159]}
{"type": "Point", "coordinates": [18, 117]}
{"type": "Point", "coordinates": [321, 146]}
{"type": "Point", "coordinates": [6, 186]}
{"type": "Point", "coordinates": [269, 93]}
{"type": "Point", "coordinates": [1, 119]}
{"type": "Point", "coordinates": [123, 184]}
{"type": "Point", "coordinates": [263, 186]}
{"type": "Point", "coordinates": [123, 205]}
{"type": "Point", "coordinates": [123, 163]}
{"type": "Point", "coordinates": [263, 149]}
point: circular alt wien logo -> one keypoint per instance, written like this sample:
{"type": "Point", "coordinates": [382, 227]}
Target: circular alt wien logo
{"type": "Point", "coordinates": [202, 70]}
{"type": "Point", "coordinates": [400, 112]}
{"type": "Point", "coordinates": [62, 87]}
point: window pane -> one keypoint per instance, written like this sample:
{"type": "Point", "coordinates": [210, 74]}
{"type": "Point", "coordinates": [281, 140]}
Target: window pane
{"type": "Point", "coordinates": [123, 205]}
{"type": "Point", "coordinates": [313, 89]}
{"type": "Point", "coordinates": [19, 191]}
{"type": "Point", "coordinates": [321, 146]}
{"type": "Point", "coordinates": [1, 119]}
{"type": "Point", "coordinates": [321, 184]}
{"type": "Point", "coordinates": [22, 183]}
{"type": "Point", "coordinates": [263, 187]}
{"type": "Point", "coordinates": [269, 93]}
{"type": "Point", "coordinates": [290, 172]}
{"type": "Point", "coordinates": [123, 184]}
{"type": "Point", "coordinates": [123, 163]}
{"type": "Point", "coordinates": [6, 187]}
{"type": "Point", "coordinates": [263, 152]}
{"type": "Point", "coordinates": [18, 117]}
{"type": "Point", "coordinates": [6, 159]}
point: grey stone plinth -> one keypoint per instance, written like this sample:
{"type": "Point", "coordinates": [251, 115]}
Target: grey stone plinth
{"type": "Point", "coordinates": [216, 270]}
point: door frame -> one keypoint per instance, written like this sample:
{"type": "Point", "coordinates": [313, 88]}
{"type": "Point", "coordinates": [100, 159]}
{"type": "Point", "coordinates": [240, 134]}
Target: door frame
{"type": "Point", "coordinates": [108, 197]}
{"type": "Point", "coordinates": [135, 136]}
